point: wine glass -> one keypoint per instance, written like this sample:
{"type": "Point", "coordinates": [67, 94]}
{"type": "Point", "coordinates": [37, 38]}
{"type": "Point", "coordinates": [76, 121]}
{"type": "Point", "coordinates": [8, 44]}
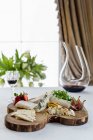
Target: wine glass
{"type": "Point", "coordinates": [12, 78]}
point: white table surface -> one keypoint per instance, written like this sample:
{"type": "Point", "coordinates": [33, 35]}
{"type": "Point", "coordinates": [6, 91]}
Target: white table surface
{"type": "Point", "coordinates": [52, 131]}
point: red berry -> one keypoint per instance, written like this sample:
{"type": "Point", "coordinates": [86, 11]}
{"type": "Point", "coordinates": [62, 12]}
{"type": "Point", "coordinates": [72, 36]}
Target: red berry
{"type": "Point", "coordinates": [25, 97]}
{"type": "Point", "coordinates": [21, 96]}
{"type": "Point", "coordinates": [17, 99]}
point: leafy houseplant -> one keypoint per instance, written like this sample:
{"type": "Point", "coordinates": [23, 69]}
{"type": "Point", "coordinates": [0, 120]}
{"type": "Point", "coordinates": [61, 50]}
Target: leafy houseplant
{"type": "Point", "coordinates": [26, 65]}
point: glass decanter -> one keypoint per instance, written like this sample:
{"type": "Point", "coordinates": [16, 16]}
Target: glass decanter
{"type": "Point", "coordinates": [75, 73]}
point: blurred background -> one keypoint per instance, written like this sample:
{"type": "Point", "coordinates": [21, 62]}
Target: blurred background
{"type": "Point", "coordinates": [31, 25]}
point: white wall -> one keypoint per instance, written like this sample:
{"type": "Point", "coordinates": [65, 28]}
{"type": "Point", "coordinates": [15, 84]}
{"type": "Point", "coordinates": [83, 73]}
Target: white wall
{"type": "Point", "coordinates": [31, 25]}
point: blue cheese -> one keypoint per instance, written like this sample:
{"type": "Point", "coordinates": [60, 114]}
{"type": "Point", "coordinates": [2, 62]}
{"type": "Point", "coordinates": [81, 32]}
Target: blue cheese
{"type": "Point", "coordinates": [43, 103]}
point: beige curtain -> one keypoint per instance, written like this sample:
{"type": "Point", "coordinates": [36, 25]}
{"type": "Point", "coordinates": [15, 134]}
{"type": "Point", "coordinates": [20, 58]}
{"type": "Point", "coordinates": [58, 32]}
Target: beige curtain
{"type": "Point", "coordinates": [76, 27]}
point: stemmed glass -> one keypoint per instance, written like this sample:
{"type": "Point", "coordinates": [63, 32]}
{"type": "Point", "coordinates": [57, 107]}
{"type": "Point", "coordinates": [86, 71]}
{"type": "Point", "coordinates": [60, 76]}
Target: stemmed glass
{"type": "Point", "coordinates": [12, 78]}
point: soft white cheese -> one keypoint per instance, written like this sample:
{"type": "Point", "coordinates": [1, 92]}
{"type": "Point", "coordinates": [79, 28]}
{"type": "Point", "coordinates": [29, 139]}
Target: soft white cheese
{"type": "Point", "coordinates": [62, 102]}
{"type": "Point", "coordinates": [25, 105]}
{"type": "Point", "coordinates": [28, 115]}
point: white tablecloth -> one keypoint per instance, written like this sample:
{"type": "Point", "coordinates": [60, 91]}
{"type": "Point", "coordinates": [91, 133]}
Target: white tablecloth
{"type": "Point", "coordinates": [52, 131]}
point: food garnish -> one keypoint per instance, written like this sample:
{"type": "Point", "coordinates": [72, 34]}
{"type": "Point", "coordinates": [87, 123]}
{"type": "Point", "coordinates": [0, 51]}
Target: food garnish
{"type": "Point", "coordinates": [19, 97]}
{"type": "Point", "coordinates": [61, 94]}
{"type": "Point", "coordinates": [77, 104]}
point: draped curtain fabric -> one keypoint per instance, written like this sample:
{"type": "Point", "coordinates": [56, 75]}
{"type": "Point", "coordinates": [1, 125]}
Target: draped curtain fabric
{"type": "Point", "coordinates": [76, 28]}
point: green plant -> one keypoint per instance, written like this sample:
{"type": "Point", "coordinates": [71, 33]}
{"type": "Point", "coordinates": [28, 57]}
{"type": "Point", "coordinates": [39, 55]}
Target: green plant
{"type": "Point", "coordinates": [26, 65]}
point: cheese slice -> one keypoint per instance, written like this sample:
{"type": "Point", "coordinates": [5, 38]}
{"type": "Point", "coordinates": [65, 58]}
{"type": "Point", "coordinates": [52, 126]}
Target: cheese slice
{"type": "Point", "coordinates": [62, 102]}
{"type": "Point", "coordinates": [27, 115]}
{"type": "Point", "coordinates": [25, 105]}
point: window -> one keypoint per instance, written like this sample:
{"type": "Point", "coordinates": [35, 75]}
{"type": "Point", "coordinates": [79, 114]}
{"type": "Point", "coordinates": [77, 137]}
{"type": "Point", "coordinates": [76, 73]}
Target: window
{"type": "Point", "coordinates": [31, 25]}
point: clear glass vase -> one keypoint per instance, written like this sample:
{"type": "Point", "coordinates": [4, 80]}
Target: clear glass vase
{"type": "Point", "coordinates": [75, 73]}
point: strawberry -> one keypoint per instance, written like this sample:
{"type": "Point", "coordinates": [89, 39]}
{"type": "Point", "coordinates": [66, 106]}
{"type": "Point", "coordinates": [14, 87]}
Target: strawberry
{"type": "Point", "coordinates": [25, 97]}
{"type": "Point", "coordinates": [17, 99]}
{"type": "Point", "coordinates": [21, 96]}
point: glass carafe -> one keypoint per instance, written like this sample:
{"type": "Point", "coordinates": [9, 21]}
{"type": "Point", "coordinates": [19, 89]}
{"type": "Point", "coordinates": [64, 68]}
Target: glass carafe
{"type": "Point", "coordinates": [75, 73]}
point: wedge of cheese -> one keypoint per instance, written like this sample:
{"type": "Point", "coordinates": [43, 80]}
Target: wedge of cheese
{"type": "Point", "coordinates": [27, 115]}
{"type": "Point", "coordinates": [25, 105]}
{"type": "Point", "coordinates": [42, 103]}
{"type": "Point", "coordinates": [62, 102]}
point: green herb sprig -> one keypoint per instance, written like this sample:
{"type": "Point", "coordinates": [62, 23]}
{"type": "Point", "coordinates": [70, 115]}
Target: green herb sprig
{"type": "Point", "coordinates": [61, 94]}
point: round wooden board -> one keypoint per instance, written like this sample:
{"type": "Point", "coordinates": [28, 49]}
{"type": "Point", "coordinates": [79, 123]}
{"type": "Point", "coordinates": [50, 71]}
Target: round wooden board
{"type": "Point", "coordinates": [11, 108]}
{"type": "Point", "coordinates": [80, 118]}
{"type": "Point", "coordinates": [25, 126]}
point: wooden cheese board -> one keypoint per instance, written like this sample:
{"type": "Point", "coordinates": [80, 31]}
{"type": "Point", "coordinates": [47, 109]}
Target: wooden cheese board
{"type": "Point", "coordinates": [24, 126]}
{"type": "Point", "coordinates": [42, 119]}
